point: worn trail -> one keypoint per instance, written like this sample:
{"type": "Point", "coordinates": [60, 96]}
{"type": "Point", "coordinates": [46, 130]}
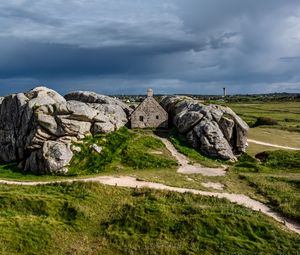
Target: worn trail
{"type": "Point", "coordinates": [130, 182]}
{"type": "Point", "coordinates": [186, 167]}
{"type": "Point", "coordinates": [273, 145]}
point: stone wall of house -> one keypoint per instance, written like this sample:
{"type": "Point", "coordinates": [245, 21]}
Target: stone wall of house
{"type": "Point", "coordinates": [149, 114]}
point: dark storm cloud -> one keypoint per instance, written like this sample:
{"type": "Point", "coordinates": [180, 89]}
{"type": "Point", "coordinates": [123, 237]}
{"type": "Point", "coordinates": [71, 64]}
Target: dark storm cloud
{"type": "Point", "coordinates": [116, 46]}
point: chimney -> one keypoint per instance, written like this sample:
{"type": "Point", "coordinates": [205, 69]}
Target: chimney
{"type": "Point", "coordinates": [150, 92]}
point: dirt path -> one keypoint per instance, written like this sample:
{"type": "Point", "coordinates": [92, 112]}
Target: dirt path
{"type": "Point", "coordinates": [186, 167]}
{"type": "Point", "coordinates": [273, 145]}
{"type": "Point", "coordinates": [130, 182]}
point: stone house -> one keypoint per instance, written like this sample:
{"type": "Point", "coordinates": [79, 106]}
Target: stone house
{"type": "Point", "coordinates": [149, 114]}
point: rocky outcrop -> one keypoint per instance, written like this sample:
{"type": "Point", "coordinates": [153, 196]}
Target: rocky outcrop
{"type": "Point", "coordinates": [93, 98]}
{"type": "Point", "coordinates": [37, 128]}
{"type": "Point", "coordinates": [214, 130]}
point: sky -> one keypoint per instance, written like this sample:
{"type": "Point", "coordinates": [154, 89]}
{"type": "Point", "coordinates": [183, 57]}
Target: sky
{"type": "Point", "coordinates": [173, 46]}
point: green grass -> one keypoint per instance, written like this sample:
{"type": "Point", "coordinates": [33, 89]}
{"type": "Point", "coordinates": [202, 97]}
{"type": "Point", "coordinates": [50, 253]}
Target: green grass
{"type": "Point", "coordinates": [286, 113]}
{"type": "Point", "coordinates": [89, 218]}
{"type": "Point", "coordinates": [280, 159]}
{"type": "Point", "coordinates": [12, 172]}
{"type": "Point", "coordinates": [276, 177]}
{"type": "Point", "coordinates": [283, 192]}
{"type": "Point", "coordinates": [180, 143]}
{"type": "Point", "coordinates": [271, 161]}
{"type": "Point", "coordinates": [122, 148]}
{"type": "Point", "coordinates": [275, 136]}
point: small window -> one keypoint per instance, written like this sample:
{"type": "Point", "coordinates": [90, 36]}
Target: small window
{"type": "Point", "coordinates": [157, 117]}
{"type": "Point", "coordinates": [141, 118]}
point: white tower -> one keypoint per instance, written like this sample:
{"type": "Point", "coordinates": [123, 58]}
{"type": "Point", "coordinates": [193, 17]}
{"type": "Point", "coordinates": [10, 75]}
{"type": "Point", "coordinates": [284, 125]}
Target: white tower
{"type": "Point", "coordinates": [224, 92]}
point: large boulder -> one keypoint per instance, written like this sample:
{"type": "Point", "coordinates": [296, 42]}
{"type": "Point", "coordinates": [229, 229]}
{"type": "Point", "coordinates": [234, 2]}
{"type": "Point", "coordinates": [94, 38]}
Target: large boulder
{"type": "Point", "coordinates": [37, 128]}
{"type": "Point", "coordinates": [53, 157]}
{"type": "Point", "coordinates": [94, 98]}
{"type": "Point", "coordinates": [214, 130]}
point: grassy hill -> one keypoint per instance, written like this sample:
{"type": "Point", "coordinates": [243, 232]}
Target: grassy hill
{"type": "Point", "coordinates": [88, 218]}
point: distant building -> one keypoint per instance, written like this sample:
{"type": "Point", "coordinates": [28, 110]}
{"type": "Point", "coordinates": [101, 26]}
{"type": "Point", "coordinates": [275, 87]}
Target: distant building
{"type": "Point", "coordinates": [224, 92]}
{"type": "Point", "coordinates": [149, 114]}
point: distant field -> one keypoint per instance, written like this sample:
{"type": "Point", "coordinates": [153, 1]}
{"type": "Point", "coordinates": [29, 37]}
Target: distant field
{"type": "Point", "coordinates": [273, 136]}
{"type": "Point", "coordinates": [285, 134]}
{"type": "Point", "coordinates": [286, 113]}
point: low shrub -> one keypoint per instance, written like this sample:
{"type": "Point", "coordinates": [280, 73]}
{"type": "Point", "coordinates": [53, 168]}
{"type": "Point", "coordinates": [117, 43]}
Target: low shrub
{"type": "Point", "coordinates": [265, 121]}
{"type": "Point", "coordinates": [280, 159]}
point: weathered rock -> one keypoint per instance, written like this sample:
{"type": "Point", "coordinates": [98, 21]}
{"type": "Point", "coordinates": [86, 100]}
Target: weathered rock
{"type": "Point", "coordinates": [74, 127]}
{"type": "Point", "coordinates": [43, 96]}
{"type": "Point", "coordinates": [81, 111]}
{"type": "Point", "coordinates": [67, 139]}
{"type": "Point", "coordinates": [53, 157]}
{"type": "Point", "coordinates": [91, 97]}
{"type": "Point", "coordinates": [75, 148]}
{"type": "Point", "coordinates": [14, 120]}
{"type": "Point", "coordinates": [226, 126]}
{"type": "Point", "coordinates": [48, 122]}
{"type": "Point", "coordinates": [193, 139]}
{"type": "Point", "coordinates": [215, 130]}
{"type": "Point", "coordinates": [37, 128]}
{"type": "Point", "coordinates": [36, 138]}
{"type": "Point", "coordinates": [102, 128]}
{"type": "Point", "coordinates": [185, 121]}
{"type": "Point", "coordinates": [96, 148]}
{"type": "Point", "coordinates": [212, 141]}
{"type": "Point", "coordinates": [114, 113]}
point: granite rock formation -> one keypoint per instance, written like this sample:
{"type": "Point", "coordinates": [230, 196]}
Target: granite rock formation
{"type": "Point", "coordinates": [214, 130]}
{"type": "Point", "coordinates": [37, 128]}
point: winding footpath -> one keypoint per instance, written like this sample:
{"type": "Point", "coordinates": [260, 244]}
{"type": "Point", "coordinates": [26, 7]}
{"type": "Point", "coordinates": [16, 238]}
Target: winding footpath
{"type": "Point", "coordinates": [273, 145]}
{"type": "Point", "coordinates": [186, 167]}
{"type": "Point", "coordinates": [131, 182]}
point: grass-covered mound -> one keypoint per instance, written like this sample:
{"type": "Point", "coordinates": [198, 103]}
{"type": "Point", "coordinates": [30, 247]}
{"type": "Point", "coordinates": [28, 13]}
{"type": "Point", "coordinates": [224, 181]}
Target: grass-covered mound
{"type": "Point", "coordinates": [89, 218]}
{"type": "Point", "coordinates": [280, 159]}
{"type": "Point", "coordinates": [122, 148]}
{"type": "Point", "coordinates": [270, 161]}
{"type": "Point", "coordinates": [265, 121]}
